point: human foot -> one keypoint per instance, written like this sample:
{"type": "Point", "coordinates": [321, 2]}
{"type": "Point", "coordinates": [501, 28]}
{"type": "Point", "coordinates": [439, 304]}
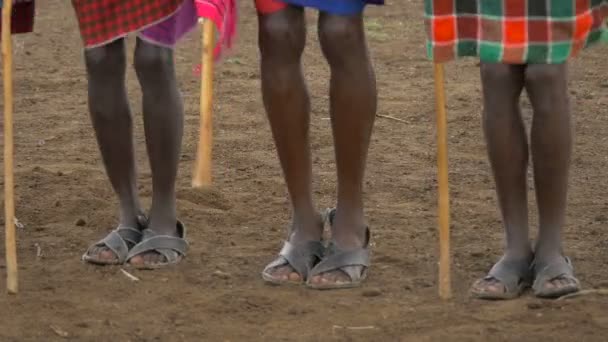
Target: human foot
{"type": "Point", "coordinates": [158, 249]}
{"type": "Point", "coordinates": [507, 279]}
{"type": "Point", "coordinates": [114, 248]}
{"type": "Point", "coordinates": [554, 277]}
{"type": "Point", "coordinates": [341, 267]}
{"type": "Point", "coordinates": [299, 254]}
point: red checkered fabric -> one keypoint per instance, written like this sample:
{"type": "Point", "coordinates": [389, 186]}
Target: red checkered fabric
{"type": "Point", "coordinates": [102, 21]}
{"type": "Point", "coordinates": [22, 17]}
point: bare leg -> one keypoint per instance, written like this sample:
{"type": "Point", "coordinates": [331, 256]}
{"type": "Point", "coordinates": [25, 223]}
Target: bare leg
{"type": "Point", "coordinates": [508, 153]}
{"type": "Point", "coordinates": [353, 110]}
{"type": "Point", "coordinates": [163, 124]}
{"type": "Point", "coordinates": [547, 87]}
{"type": "Point", "coordinates": [282, 37]}
{"type": "Point", "coordinates": [111, 117]}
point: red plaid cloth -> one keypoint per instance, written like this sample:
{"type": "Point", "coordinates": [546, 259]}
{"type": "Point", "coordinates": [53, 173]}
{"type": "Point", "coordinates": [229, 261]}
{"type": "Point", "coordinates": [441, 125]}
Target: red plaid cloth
{"type": "Point", "coordinates": [22, 18]}
{"type": "Point", "coordinates": [102, 21]}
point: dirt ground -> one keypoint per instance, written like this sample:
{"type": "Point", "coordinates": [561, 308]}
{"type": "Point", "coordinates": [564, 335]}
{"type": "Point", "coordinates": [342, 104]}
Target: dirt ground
{"type": "Point", "coordinates": [237, 227]}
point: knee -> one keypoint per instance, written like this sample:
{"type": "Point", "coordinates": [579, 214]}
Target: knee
{"type": "Point", "coordinates": [106, 60]}
{"type": "Point", "coordinates": [547, 87]}
{"type": "Point", "coordinates": [341, 36]}
{"type": "Point", "coordinates": [497, 73]}
{"type": "Point", "coordinates": [152, 59]}
{"type": "Point", "coordinates": [544, 74]}
{"type": "Point", "coordinates": [282, 34]}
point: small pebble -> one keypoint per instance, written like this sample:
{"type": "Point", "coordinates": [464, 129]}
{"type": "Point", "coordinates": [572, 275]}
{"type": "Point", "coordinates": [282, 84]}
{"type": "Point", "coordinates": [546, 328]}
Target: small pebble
{"type": "Point", "coordinates": [83, 325]}
{"type": "Point", "coordinates": [373, 292]}
{"type": "Point", "coordinates": [534, 306]}
{"type": "Point", "coordinates": [81, 222]}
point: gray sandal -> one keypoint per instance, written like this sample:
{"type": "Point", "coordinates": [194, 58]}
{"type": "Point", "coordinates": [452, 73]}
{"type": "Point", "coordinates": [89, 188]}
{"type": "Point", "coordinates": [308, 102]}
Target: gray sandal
{"type": "Point", "coordinates": [301, 257]}
{"type": "Point", "coordinates": [172, 248]}
{"type": "Point", "coordinates": [354, 263]}
{"type": "Point", "coordinates": [119, 241]}
{"type": "Point", "coordinates": [561, 269]}
{"type": "Point", "coordinates": [514, 276]}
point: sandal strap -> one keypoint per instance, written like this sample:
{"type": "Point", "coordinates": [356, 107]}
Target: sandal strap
{"type": "Point", "coordinates": [511, 274]}
{"type": "Point", "coordinates": [559, 269]}
{"type": "Point", "coordinates": [301, 257]}
{"type": "Point", "coordinates": [170, 247]}
{"type": "Point", "coordinates": [342, 260]}
{"type": "Point", "coordinates": [129, 234]}
{"type": "Point", "coordinates": [354, 263]}
{"type": "Point", "coordinates": [117, 241]}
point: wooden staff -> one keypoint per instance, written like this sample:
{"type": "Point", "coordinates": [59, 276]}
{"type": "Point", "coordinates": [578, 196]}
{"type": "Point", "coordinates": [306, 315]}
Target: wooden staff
{"type": "Point", "coordinates": [9, 201]}
{"type": "Point", "coordinates": [202, 168]}
{"type": "Point", "coordinates": [445, 288]}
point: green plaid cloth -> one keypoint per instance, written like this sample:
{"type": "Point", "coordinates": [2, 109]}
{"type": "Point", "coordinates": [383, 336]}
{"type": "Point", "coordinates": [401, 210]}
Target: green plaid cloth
{"type": "Point", "coordinates": [514, 31]}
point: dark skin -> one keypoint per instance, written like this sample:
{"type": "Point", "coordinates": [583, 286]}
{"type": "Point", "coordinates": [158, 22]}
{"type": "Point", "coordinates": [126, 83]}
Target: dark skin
{"type": "Point", "coordinates": [282, 39]}
{"type": "Point", "coordinates": [163, 125]}
{"type": "Point", "coordinates": [551, 144]}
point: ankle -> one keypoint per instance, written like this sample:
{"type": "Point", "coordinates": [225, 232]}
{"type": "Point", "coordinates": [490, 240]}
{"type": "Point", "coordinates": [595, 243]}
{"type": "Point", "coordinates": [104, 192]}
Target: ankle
{"type": "Point", "coordinates": [547, 251]}
{"type": "Point", "coordinates": [306, 228]}
{"type": "Point", "coordinates": [349, 231]}
{"type": "Point", "coordinates": [521, 253]}
{"type": "Point", "coordinates": [132, 220]}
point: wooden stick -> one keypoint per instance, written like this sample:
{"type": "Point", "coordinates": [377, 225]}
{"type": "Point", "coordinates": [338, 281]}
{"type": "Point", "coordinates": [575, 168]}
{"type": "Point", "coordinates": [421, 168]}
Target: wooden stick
{"type": "Point", "coordinates": [202, 168]}
{"type": "Point", "coordinates": [12, 284]}
{"type": "Point", "coordinates": [445, 288]}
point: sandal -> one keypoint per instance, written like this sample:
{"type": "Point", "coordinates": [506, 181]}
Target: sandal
{"type": "Point", "coordinates": [119, 241]}
{"type": "Point", "coordinates": [301, 257]}
{"type": "Point", "coordinates": [172, 248]}
{"type": "Point", "coordinates": [354, 263]}
{"type": "Point", "coordinates": [561, 269]}
{"type": "Point", "coordinates": [514, 276]}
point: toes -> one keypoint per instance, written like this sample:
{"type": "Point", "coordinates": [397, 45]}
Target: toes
{"type": "Point", "coordinates": [560, 284]}
{"type": "Point", "coordinates": [285, 273]}
{"type": "Point", "coordinates": [137, 260]}
{"type": "Point", "coordinates": [336, 277]}
{"type": "Point", "coordinates": [102, 254]}
{"type": "Point", "coordinates": [153, 258]}
{"type": "Point", "coordinates": [107, 254]}
{"type": "Point", "coordinates": [293, 276]}
{"type": "Point", "coordinates": [150, 259]}
{"type": "Point", "coordinates": [488, 286]}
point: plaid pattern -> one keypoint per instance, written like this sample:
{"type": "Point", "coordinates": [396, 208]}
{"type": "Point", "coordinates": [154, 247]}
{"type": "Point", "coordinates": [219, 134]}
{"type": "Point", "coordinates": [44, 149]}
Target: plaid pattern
{"type": "Point", "coordinates": [22, 17]}
{"type": "Point", "coordinates": [513, 31]}
{"type": "Point", "coordinates": [102, 21]}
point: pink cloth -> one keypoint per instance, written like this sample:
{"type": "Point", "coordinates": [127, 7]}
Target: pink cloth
{"type": "Point", "coordinates": [223, 13]}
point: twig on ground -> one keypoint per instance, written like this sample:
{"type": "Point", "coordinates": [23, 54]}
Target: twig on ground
{"type": "Point", "coordinates": [38, 250]}
{"type": "Point", "coordinates": [60, 332]}
{"type": "Point", "coordinates": [368, 327]}
{"type": "Point", "coordinates": [129, 275]}
{"type": "Point", "coordinates": [600, 292]}
{"type": "Point", "coordinates": [390, 118]}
